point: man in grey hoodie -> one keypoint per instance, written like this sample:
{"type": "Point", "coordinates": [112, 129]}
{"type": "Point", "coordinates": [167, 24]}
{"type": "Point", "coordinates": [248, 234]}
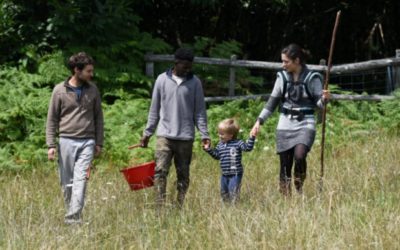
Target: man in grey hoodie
{"type": "Point", "coordinates": [177, 107]}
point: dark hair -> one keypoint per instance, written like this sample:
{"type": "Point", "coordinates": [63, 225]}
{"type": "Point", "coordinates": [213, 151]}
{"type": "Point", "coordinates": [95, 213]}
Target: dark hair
{"type": "Point", "coordinates": [79, 60]}
{"type": "Point", "coordinates": [294, 51]}
{"type": "Point", "coordinates": [184, 54]}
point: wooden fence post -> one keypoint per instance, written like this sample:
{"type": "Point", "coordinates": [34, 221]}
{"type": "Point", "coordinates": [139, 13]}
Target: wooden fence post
{"type": "Point", "coordinates": [232, 76]}
{"type": "Point", "coordinates": [149, 66]}
{"type": "Point", "coordinates": [389, 80]}
{"type": "Point", "coordinates": [396, 70]}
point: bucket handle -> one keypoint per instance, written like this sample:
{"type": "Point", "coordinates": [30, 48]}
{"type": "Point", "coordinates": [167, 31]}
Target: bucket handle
{"type": "Point", "coordinates": [135, 146]}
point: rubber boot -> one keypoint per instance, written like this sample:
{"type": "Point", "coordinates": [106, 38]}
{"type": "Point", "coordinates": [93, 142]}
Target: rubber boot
{"type": "Point", "coordinates": [298, 183]}
{"type": "Point", "coordinates": [180, 198]}
{"type": "Point", "coordinates": [160, 185]}
{"type": "Point", "coordinates": [182, 188]}
{"type": "Point", "coordinates": [300, 169]}
{"type": "Point", "coordinates": [285, 187]}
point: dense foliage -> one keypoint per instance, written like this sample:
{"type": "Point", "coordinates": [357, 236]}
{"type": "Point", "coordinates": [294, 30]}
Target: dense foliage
{"type": "Point", "coordinates": [24, 100]}
{"type": "Point", "coordinates": [107, 30]}
{"type": "Point", "coordinates": [36, 38]}
{"type": "Point", "coordinates": [265, 26]}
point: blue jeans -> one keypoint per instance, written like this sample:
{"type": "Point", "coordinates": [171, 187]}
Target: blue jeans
{"type": "Point", "coordinates": [230, 187]}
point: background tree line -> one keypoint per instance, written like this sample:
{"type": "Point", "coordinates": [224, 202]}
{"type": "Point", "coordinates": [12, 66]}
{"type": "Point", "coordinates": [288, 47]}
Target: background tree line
{"type": "Point", "coordinates": [122, 30]}
{"type": "Point", "coordinates": [118, 32]}
{"type": "Point", "coordinates": [263, 27]}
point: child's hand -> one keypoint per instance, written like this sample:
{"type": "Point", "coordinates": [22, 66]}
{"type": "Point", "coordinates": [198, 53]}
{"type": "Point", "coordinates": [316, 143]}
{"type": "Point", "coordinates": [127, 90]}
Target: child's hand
{"type": "Point", "coordinates": [206, 144]}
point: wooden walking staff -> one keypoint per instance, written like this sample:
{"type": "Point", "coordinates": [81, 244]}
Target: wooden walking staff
{"type": "Point", "coordinates": [326, 88]}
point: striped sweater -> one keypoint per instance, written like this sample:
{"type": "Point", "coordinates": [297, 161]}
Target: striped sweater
{"type": "Point", "coordinates": [230, 155]}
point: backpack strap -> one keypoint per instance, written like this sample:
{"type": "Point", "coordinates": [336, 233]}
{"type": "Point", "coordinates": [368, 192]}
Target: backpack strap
{"type": "Point", "coordinates": [310, 75]}
{"type": "Point", "coordinates": [283, 75]}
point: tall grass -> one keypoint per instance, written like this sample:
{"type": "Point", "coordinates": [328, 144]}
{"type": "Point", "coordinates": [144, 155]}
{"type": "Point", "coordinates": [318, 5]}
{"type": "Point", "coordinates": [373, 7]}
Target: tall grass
{"type": "Point", "coordinates": [358, 208]}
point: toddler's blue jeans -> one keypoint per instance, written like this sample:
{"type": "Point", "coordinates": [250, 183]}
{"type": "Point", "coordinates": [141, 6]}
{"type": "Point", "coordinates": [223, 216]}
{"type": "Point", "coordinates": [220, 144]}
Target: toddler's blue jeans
{"type": "Point", "coordinates": [230, 187]}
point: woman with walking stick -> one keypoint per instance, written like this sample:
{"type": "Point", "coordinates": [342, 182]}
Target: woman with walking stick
{"type": "Point", "coordinates": [299, 91]}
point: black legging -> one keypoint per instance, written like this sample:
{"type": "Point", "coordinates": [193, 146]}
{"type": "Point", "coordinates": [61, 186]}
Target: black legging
{"type": "Point", "coordinates": [299, 154]}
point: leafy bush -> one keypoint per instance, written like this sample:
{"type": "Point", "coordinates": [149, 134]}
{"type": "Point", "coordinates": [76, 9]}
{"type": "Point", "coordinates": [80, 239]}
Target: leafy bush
{"type": "Point", "coordinates": [390, 118]}
{"type": "Point", "coordinates": [23, 110]}
{"type": "Point", "coordinates": [245, 112]}
{"type": "Point", "coordinates": [125, 121]}
{"type": "Point", "coordinates": [215, 79]}
{"type": "Point", "coordinates": [107, 30]}
{"type": "Point", "coordinates": [24, 101]}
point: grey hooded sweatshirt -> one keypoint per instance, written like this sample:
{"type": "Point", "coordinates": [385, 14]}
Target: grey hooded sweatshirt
{"type": "Point", "coordinates": [177, 109]}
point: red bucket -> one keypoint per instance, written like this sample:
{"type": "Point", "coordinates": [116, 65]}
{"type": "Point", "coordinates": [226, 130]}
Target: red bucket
{"type": "Point", "coordinates": [140, 176]}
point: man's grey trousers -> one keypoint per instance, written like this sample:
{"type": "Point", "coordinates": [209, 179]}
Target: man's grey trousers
{"type": "Point", "coordinates": [75, 156]}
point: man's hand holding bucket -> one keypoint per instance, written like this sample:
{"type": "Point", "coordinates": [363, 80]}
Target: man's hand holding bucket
{"type": "Point", "coordinates": [144, 141]}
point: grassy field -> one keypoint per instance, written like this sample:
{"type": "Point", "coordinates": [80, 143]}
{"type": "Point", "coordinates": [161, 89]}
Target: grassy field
{"type": "Point", "coordinates": [359, 207]}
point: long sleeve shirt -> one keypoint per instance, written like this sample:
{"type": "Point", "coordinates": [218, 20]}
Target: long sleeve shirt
{"type": "Point", "coordinates": [176, 109]}
{"type": "Point", "coordinates": [286, 123]}
{"type": "Point", "coordinates": [230, 155]}
{"type": "Point", "coordinates": [73, 117]}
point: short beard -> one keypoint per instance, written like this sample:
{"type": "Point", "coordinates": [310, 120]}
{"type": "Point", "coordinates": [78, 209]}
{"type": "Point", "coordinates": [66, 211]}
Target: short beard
{"type": "Point", "coordinates": [81, 80]}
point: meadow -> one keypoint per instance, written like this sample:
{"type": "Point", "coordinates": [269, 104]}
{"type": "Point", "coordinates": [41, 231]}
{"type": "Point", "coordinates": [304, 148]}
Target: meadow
{"type": "Point", "coordinates": [358, 207]}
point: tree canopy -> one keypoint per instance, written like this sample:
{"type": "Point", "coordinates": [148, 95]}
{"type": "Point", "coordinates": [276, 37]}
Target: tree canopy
{"type": "Point", "coordinates": [121, 30]}
{"type": "Point", "coordinates": [265, 26]}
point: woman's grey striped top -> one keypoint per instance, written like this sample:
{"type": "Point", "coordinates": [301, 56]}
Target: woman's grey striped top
{"type": "Point", "coordinates": [296, 98]}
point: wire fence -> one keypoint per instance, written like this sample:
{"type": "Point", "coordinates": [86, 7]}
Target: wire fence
{"type": "Point", "coordinates": [224, 77]}
{"type": "Point", "coordinates": [371, 81]}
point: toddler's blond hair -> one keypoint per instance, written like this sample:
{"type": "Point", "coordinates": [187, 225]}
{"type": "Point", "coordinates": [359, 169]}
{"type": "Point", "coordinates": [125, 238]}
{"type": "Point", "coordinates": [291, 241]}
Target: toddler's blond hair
{"type": "Point", "coordinates": [230, 126]}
